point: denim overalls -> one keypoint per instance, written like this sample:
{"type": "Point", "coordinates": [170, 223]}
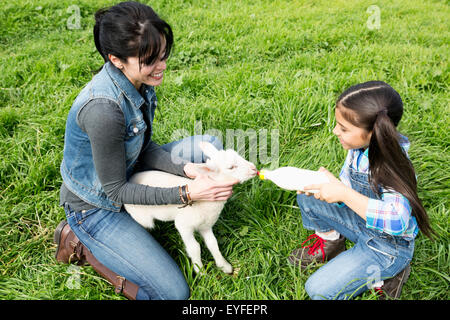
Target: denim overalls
{"type": "Point", "coordinates": [375, 256]}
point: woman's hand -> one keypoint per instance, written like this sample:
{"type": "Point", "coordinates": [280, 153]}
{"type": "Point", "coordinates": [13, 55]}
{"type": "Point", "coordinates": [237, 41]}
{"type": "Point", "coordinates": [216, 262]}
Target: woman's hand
{"type": "Point", "coordinates": [329, 192]}
{"type": "Point", "coordinates": [204, 188]}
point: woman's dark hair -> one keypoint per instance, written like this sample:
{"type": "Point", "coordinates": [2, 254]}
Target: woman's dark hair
{"type": "Point", "coordinates": [132, 29]}
{"type": "Point", "coordinates": [378, 108]}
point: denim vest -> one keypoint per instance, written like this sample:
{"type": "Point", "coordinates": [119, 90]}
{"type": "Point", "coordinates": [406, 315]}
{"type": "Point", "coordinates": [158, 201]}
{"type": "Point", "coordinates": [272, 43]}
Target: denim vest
{"type": "Point", "coordinates": [77, 167]}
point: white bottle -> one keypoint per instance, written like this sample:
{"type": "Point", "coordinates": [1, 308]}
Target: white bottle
{"type": "Point", "coordinates": [291, 178]}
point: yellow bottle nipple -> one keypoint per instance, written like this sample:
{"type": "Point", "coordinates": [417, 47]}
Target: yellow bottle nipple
{"type": "Point", "coordinates": [261, 174]}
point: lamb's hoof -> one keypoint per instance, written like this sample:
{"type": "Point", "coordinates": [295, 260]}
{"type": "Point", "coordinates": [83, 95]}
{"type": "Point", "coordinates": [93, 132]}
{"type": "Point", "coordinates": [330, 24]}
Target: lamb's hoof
{"type": "Point", "coordinates": [199, 270]}
{"type": "Point", "coordinates": [227, 268]}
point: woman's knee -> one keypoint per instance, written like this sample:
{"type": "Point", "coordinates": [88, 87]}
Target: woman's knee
{"type": "Point", "coordinates": [214, 140]}
{"type": "Point", "coordinates": [177, 291]}
{"type": "Point", "coordinates": [182, 292]}
{"type": "Point", "coordinates": [192, 151]}
{"type": "Point", "coordinates": [199, 156]}
{"type": "Point", "coordinates": [170, 288]}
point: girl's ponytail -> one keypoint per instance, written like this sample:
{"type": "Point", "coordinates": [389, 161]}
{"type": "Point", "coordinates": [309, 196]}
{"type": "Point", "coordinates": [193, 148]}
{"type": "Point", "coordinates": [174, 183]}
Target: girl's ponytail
{"type": "Point", "coordinates": [385, 151]}
{"type": "Point", "coordinates": [379, 108]}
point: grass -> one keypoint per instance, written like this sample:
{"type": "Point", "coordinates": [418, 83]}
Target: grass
{"type": "Point", "coordinates": [236, 65]}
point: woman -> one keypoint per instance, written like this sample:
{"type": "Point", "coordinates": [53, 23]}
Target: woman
{"type": "Point", "coordinates": [107, 139]}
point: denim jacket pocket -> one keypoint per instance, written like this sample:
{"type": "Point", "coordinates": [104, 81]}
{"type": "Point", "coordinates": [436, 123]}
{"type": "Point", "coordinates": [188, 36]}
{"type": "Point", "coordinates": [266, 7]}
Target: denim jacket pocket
{"type": "Point", "coordinates": [134, 139]}
{"type": "Point", "coordinates": [136, 127]}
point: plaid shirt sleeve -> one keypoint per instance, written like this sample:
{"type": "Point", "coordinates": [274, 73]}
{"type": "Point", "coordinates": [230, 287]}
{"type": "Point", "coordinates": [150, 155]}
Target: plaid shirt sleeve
{"type": "Point", "coordinates": [391, 214]}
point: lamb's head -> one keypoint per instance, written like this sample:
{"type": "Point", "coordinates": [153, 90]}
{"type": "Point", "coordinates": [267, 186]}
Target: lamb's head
{"type": "Point", "coordinates": [228, 163]}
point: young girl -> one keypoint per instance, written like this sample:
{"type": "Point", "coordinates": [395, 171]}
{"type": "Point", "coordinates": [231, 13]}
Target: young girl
{"type": "Point", "coordinates": [374, 204]}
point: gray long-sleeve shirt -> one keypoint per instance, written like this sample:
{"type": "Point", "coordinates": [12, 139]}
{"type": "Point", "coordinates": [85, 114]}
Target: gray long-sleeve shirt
{"type": "Point", "coordinates": [104, 123]}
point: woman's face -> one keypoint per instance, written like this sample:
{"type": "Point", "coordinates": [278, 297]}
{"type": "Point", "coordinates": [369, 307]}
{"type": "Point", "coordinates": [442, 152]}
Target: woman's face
{"type": "Point", "coordinates": [349, 135]}
{"type": "Point", "coordinates": [151, 75]}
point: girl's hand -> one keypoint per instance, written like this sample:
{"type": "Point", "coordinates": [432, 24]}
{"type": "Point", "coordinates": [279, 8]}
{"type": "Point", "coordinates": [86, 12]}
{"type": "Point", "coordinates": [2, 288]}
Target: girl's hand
{"type": "Point", "coordinates": [204, 188]}
{"type": "Point", "coordinates": [330, 192]}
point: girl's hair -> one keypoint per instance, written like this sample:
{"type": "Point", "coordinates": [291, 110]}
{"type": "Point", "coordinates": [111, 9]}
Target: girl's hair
{"type": "Point", "coordinates": [377, 107]}
{"type": "Point", "coordinates": [132, 29]}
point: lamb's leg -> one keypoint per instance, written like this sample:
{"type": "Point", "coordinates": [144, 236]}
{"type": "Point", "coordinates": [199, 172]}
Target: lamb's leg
{"type": "Point", "coordinates": [192, 246]}
{"type": "Point", "coordinates": [211, 243]}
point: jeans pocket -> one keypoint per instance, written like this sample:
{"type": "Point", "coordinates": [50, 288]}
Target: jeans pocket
{"type": "Point", "coordinates": [84, 215]}
{"type": "Point", "coordinates": [385, 253]}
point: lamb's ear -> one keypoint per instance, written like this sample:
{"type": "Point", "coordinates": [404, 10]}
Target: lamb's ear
{"type": "Point", "coordinates": [211, 165]}
{"type": "Point", "coordinates": [206, 168]}
{"type": "Point", "coordinates": [208, 149]}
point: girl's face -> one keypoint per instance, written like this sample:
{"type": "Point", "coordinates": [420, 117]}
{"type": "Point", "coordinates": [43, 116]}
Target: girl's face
{"type": "Point", "coordinates": [350, 136]}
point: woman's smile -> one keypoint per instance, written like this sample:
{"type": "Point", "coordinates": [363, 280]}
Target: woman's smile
{"type": "Point", "coordinates": [157, 75]}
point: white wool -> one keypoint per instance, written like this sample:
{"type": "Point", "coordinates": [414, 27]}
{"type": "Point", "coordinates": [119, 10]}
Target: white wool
{"type": "Point", "coordinates": [201, 215]}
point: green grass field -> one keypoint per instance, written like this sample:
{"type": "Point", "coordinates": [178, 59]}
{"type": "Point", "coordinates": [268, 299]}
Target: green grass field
{"type": "Point", "coordinates": [235, 65]}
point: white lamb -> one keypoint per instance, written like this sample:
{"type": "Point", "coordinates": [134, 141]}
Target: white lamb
{"type": "Point", "coordinates": [202, 215]}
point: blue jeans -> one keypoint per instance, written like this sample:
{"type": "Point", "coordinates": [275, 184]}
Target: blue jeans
{"type": "Point", "coordinates": [128, 249]}
{"type": "Point", "coordinates": [375, 256]}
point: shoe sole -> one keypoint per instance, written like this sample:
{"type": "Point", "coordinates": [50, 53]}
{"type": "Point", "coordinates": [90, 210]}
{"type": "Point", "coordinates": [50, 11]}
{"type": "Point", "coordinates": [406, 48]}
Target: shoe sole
{"type": "Point", "coordinates": [403, 280]}
{"type": "Point", "coordinates": [57, 235]}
